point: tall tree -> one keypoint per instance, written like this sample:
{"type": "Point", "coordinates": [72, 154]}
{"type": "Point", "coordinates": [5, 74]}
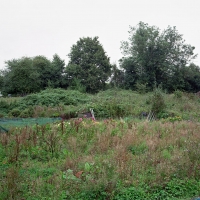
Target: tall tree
{"type": "Point", "coordinates": [1, 79]}
{"type": "Point", "coordinates": [26, 75]}
{"type": "Point", "coordinates": [117, 77]}
{"type": "Point", "coordinates": [191, 76]}
{"type": "Point", "coordinates": [43, 67]}
{"type": "Point", "coordinates": [131, 73]}
{"type": "Point", "coordinates": [88, 64]}
{"type": "Point", "coordinates": [20, 77]}
{"type": "Point", "coordinates": [57, 67]}
{"type": "Point", "coordinates": [156, 56]}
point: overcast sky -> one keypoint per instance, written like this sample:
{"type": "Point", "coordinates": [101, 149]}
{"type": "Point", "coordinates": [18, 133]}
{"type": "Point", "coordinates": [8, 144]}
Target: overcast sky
{"type": "Point", "coordinates": [45, 27]}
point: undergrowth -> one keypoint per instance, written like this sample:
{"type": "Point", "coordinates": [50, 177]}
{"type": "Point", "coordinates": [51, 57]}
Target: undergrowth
{"type": "Point", "coordinates": [113, 103]}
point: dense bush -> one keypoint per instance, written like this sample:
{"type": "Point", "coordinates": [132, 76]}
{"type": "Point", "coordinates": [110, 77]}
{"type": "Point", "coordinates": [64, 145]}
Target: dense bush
{"type": "Point", "coordinates": [111, 109]}
{"type": "Point", "coordinates": [54, 97]}
{"type": "Point", "coordinates": [7, 106]}
{"type": "Point", "coordinates": [14, 112]}
{"type": "Point", "coordinates": [158, 102]}
{"type": "Point", "coordinates": [112, 103]}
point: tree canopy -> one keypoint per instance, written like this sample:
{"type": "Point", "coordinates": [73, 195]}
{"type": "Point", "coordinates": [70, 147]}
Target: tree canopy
{"type": "Point", "coordinates": [88, 64]}
{"type": "Point", "coordinates": [151, 58]}
{"type": "Point", "coordinates": [155, 58]}
{"type": "Point", "coordinates": [27, 75]}
{"type": "Point", "coordinates": [20, 77]}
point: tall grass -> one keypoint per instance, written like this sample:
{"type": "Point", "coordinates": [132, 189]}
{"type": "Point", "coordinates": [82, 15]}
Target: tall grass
{"type": "Point", "coordinates": [109, 159]}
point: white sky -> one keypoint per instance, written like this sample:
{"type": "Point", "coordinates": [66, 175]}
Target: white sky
{"type": "Point", "coordinates": [45, 27]}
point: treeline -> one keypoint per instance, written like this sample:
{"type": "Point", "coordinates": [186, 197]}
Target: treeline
{"type": "Point", "coordinates": [152, 58]}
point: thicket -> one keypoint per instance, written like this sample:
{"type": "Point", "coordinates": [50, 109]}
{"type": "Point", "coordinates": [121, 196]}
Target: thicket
{"type": "Point", "coordinates": [112, 103]}
{"type": "Point", "coordinates": [49, 103]}
{"type": "Point", "coordinates": [55, 97]}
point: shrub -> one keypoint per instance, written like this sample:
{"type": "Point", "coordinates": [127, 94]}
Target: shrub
{"type": "Point", "coordinates": [178, 94]}
{"type": "Point", "coordinates": [28, 112]}
{"type": "Point", "coordinates": [138, 149]}
{"type": "Point", "coordinates": [15, 112]}
{"type": "Point", "coordinates": [4, 106]}
{"type": "Point", "coordinates": [54, 97]}
{"type": "Point", "coordinates": [141, 88]}
{"type": "Point", "coordinates": [109, 109]}
{"type": "Point", "coordinates": [158, 103]}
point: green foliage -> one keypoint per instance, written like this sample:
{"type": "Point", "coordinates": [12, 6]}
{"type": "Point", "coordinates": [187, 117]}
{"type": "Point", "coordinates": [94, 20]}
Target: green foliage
{"type": "Point", "coordinates": [76, 85]}
{"type": "Point", "coordinates": [141, 88]}
{"type": "Point", "coordinates": [131, 76]}
{"type": "Point", "coordinates": [114, 103]}
{"type": "Point", "coordinates": [156, 58]}
{"type": "Point", "coordinates": [138, 149]}
{"type": "Point", "coordinates": [54, 97]}
{"type": "Point", "coordinates": [174, 119]}
{"type": "Point", "coordinates": [131, 193]}
{"type": "Point", "coordinates": [109, 109]}
{"type": "Point", "coordinates": [83, 159]}
{"type": "Point", "coordinates": [191, 76]}
{"type": "Point", "coordinates": [89, 64]}
{"type": "Point", "coordinates": [4, 106]}
{"type": "Point", "coordinates": [20, 77]}
{"type": "Point", "coordinates": [43, 67]}
{"type": "Point", "coordinates": [1, 80]}
{"type": "Point", "coordinates": [117, 77]}
{"type": "Point", "coordinates": [151, 58]}
{"type": "Point", "coordinates": [166, 154]}
{"type": "Point", "coordinates": [57, 67]}
{"type": "Point", "coordinates": [96, 194]}
{"type": "Point", "coordinates": [158, 103]}
{"type": "Point", "coordinates": [27, 75]}
{"type": "Point", "coordinates": [14, 112]}
{"type": "Point", "coordinates": [28, 112]}
{"type": "Point", "coordinates": [178, 94]}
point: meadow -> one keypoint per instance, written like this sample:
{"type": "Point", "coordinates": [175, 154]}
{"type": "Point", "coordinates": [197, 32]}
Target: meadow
{"type": "Point", "coordinates": [123, 154]}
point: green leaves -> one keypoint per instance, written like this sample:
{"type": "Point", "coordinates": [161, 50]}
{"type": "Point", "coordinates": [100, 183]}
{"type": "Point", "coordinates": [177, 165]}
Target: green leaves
{"type": "Point", "coordinates": [156, 57]}
{"type": "Point", "coordinates": [88, 64]}
{"type": "Point", "coordinates": [28, 75]}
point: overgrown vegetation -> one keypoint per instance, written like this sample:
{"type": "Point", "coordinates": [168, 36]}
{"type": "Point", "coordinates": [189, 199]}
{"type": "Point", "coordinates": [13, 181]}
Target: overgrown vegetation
{"type": "Point", "coordinates": [122, 155]}
{"type": "Point", "coordinates": [110, 159]}
{"type": "Point", "coordinates": [145, 142]}
{"type": "Point", "coordinates": [113, 103]}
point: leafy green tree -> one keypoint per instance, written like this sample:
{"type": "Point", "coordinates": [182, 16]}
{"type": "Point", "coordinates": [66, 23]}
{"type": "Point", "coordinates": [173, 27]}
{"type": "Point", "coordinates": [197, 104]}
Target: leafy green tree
{"type": "Point", "coordinates": [57, 69]}
{"type": "Point", "coordinates": [88, 64]}
{"type": "Point", "coordinates": [1, 79]}
{"type": "Point", "coordinates": [27, 75]}
{"type": "Point", "coordinates": [157, 57]}
{"type": "Point", "coordinates": [20, 77]}
{"type": "Point", "coordinates": [117, 77]}
{"type": "Point", "coordinates": [43, 67]}
{"type": "Point", "coordinates": [131, 75]}
{"type": "Point", "coordinates": [191, 76]}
